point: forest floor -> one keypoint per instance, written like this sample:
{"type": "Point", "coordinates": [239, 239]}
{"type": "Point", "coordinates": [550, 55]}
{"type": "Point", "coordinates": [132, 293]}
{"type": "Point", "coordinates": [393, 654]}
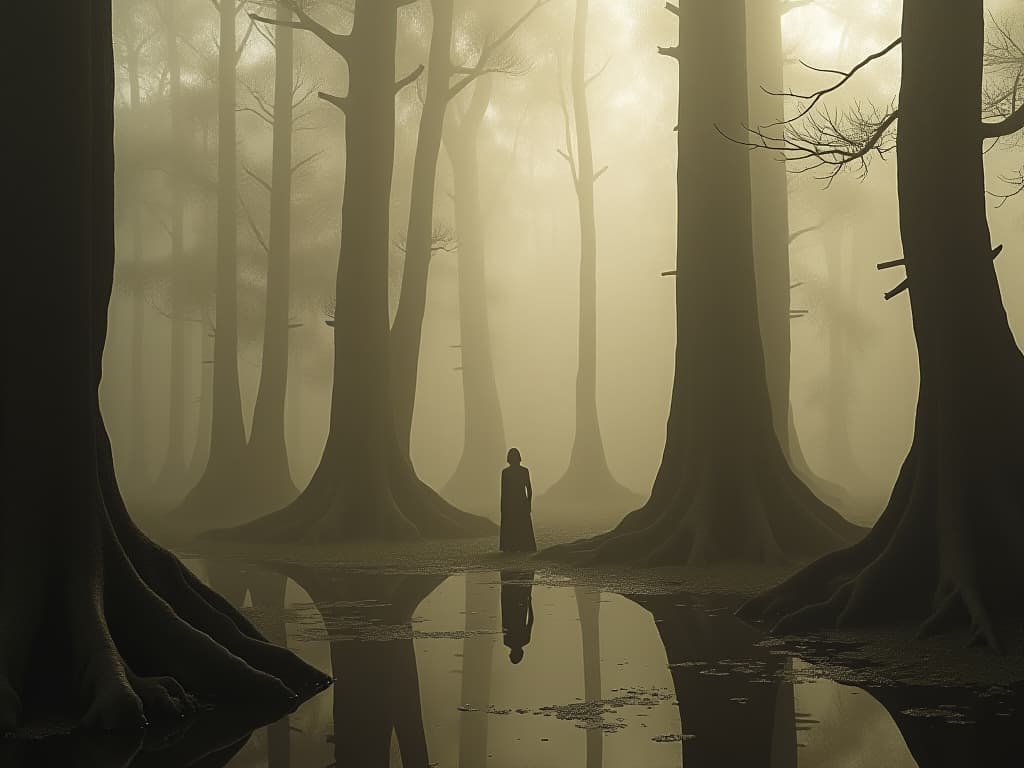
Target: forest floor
{"type": "Point", "coordinates": [863, 657]}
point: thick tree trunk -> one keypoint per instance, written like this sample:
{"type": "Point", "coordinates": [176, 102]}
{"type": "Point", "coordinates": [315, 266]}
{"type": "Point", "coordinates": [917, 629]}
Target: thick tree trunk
{"type": "Point", "coordinates": [724, 489]}
{"type": "Point", "coordinates": [587, 485]}
{"type": "Point", "coordinates": [214, 499]}
{"type": "Point", "coordinates": [270, 484]}
{"type": "Point", "coordinates": [97, 623]}
{"type": "Point", "coordinates": [472, 485]}
{"type": "Point", "coordinates": [365, 486]}
{"type": "Point", "coordinates": [407, 329]}
{"type": "Point", "coordinates": [170, 484]}
{"type": "Point", "coordinates": [946, 550]}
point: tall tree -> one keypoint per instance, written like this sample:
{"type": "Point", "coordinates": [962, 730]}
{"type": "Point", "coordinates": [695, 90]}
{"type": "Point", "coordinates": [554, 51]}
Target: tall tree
{"type": "Point", "coordinates": [946, 550]}
{"type": "Point", "coordinates": [364, 485]}
{"type": "Point", "coordinates": [134, 37]}
{"type": "Point", "coordinates": [271, 486]}
{"type": "Point", "coordinates": [483, 444]}
{"type": "Point", "coordinates": [484, 433]}
{"type": "Point", "coordinates": [587, 483]}
{"type": "Point", "coordinates": [724, 489]}
{"type": "Point", "coordinates": [213, 495]}
{"type": "Point", "coordinates": [171, 478]}
{"type": "Point", "coordinates": [112, 627]}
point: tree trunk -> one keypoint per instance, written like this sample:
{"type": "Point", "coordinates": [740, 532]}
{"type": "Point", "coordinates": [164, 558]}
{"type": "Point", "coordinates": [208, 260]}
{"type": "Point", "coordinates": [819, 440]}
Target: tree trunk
{"type": "Point", "coordinates": [97, 624]}
{"type": "Point", "coordinates": [407, 329]}
{"type": "Point", "coordinates": [724, 490]}
{"type": "Point", "coordinates": [270, 485]}
{"type": "Point", "coordinates": [365, 486]}
{"type": "Point", "coordinates": [947, 549]}
{"type": "Point", "coordinates": [170, 485]}
{"type": "Point", "coordinates": [472, 485]}
{"type": "Point", "coordinates": [214, 498]}
{"type": "Point", "coordinates": [587, 485]}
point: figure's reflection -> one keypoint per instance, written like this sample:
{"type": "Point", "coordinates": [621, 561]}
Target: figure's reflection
{"type": "Point", "coordinates": [730, 695]}
{"type": "Point", "coordinates": [516, 611]}
{"type": "Point", "coordinates": [377, 692]}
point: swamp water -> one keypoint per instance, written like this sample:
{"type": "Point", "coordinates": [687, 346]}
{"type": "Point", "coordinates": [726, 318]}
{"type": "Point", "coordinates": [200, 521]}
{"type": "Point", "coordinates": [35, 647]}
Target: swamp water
{"type": "Point", "coordinates": [525, 669]}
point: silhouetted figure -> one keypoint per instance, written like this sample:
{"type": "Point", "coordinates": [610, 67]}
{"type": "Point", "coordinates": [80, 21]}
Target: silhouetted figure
{"type": "Point", "coordinates": [516, 611]}
{"type": "Point", "coordinates": [516, 498]}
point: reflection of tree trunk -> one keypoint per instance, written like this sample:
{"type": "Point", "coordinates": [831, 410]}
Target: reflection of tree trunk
{"type": "Point", "coordinates": [473, 483]}
{"type": "Point", "coordinates": [364, 485]}
{"type": "Point", "coordinates": [587, 483]}
{"type": "Point", "coordinates": [734, 717]}
{"type": "Point", "coordinates": [407, 330]}
{"type": "Point", "coordinates": [377, 692]}
{"type": "Point", "coordinates": [477, 658]}
{"type": "Point", "coordinates": [214, 496]}
{"type": "Point", "coordinates": [724, 489]}
{"type": "Point", "coordinates": [270, 484]}
{"type": "Point", "coordinates": [588, 603]}
{"type": "Point", "coordinates": [988, 735]}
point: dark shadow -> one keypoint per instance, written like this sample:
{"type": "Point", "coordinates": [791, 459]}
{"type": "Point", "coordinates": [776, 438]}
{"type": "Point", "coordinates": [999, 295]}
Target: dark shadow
{"type": "Point", "coordinates": [954, 727]}
{"type": "Point", "coordinates": [735, 705]}
{"type": "Point", "coordinates": [516, 611]}
{"type": "Point", "coordinates": [369, 624]}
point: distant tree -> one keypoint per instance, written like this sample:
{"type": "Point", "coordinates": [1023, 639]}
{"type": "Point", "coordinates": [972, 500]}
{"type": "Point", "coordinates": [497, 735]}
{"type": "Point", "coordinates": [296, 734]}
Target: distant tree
{"type": "Point", "coordinates": [214, 493]}
{"type": "Point", "coordinates": [114, 628]}
{"type": "Point", "coordinates": [484, 433]}
{"type": "Point", "coordinates": [588, 484]}
{"type": "Point", "coordinates": [270, 485]}
{"type": "Point", "coordinates": [724, 490]}
{"type": "Point", "coordinates": [364, 485]}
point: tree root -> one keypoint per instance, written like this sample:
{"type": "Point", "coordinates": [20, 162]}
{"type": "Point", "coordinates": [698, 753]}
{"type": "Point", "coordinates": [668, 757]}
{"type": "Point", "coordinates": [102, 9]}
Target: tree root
{"type": "Point", "coordinates": [139, 637]}
{"type": "Point", "coordinates": [768, 518]}
{"type": "Point", "coordinates": [938, 558]}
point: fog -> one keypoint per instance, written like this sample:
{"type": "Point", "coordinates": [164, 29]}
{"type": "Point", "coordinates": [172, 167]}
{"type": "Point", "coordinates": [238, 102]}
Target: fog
{"type": "Point", "coordinates": [531, 234]}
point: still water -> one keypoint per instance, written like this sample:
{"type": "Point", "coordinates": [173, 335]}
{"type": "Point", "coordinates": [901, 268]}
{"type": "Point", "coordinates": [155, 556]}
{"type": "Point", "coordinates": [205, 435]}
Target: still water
{"type": "Point", "coordinates": [520, 669]}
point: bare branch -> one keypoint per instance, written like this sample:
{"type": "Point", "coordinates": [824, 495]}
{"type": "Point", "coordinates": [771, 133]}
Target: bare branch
{"type": "Point", "coordinates": [793, 236]}
{"type": "Point", "coordinates": [597, 74]}
{"type": "Point", "coordinates": [256, 177]}
{"type": "Point", "coordinates": [252, 225]}
{"type": "Point", "coordinates": [341, 102]}
{"type": "Point", "coordinates": [339, 43]}
{"type": "Point", "coordinates": [672, 8]}
{"type": "Point", "coordinates": [306, 160]}
{"type": "Point", "coordinates": [482, 66]}
{"type": "Point", "coordinates": [409, 79]}
{"type": "Point", "coordinates": [816, 96]}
